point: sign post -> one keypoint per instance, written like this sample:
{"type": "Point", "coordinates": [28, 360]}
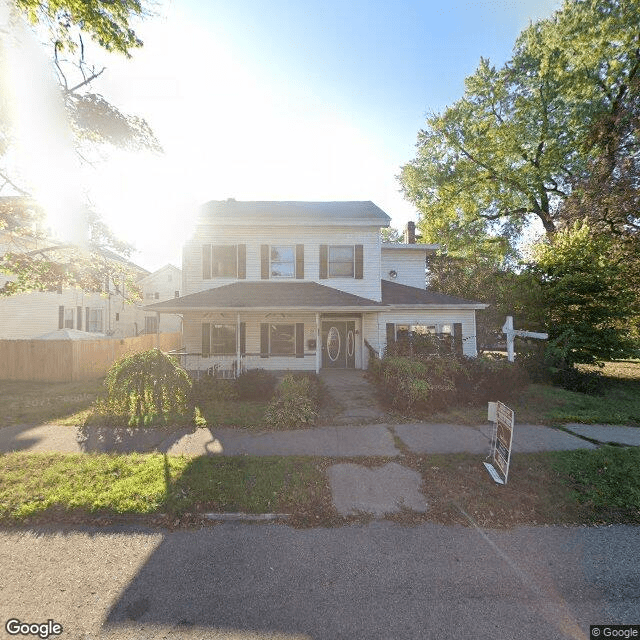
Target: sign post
{"type": "Point", "coordinates": [511, 333]}
{"type": "Point", "coordinates": [503, 419]}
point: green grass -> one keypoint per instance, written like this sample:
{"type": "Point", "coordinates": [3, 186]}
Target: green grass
{"type": "Point", "coordinates": [607, 480]}
{"type": "Point", "coordinates": [39, 402]}
{"type": "Point", "coordinates": [40, 484]}
{"type": "Point", "coordinates": [544, 404]}
{"type": "Point", "coordinates": [234, 413]}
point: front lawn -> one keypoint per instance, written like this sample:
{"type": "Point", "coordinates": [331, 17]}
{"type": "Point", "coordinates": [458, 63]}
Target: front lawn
{"type": "Point", "coordinates": [46, 486]}
{"type": "Point", "coordinates": [42, 402]}
{"type": "Point", "coordinates": [568, 487]}
{"type": "Point", "coordinates": [546, 404]}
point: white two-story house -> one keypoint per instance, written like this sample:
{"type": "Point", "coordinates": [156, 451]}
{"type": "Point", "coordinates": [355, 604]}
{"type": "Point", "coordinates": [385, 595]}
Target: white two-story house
{"type": "Point", "coordinates": [304, 286]}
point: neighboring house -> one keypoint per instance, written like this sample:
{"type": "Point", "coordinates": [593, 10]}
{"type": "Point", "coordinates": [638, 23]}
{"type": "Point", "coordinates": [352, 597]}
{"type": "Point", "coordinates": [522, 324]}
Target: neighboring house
{"type": "Point", "coordinates": [28, 315]}
{"type": "Point", "coordinates": [163, 284]}
{"type": "Point", "coordinates": [303, 286]}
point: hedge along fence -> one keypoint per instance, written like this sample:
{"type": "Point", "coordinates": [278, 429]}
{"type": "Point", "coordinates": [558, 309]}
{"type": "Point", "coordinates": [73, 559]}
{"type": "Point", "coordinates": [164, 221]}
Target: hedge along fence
{"type": "Point", "coordinates": [73, 360]}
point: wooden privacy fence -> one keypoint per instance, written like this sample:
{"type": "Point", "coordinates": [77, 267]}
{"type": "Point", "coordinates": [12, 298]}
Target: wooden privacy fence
{"type": "Point", "coordinates": [69, 360]}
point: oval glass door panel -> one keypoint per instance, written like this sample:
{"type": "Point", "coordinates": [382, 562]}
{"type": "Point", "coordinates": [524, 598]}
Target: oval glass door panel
{"type": "Point", "coordinates": [350, 343]}
{"type": "Point", "coordinates": [333, 344]}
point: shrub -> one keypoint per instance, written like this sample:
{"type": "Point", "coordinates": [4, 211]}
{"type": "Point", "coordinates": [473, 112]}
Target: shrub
{"type": "Point", "coordinates": [295, 404]}
{"type": "Point", "coordinates": [256, 384]}
{"type": "Point", "coordinates": [437, 382]}
{"type": "Point", "coordinates": [427, 384]}
{"type": "Point", "coordinates": [486, 378]}
{"type": "Point", "coordinates": [145, 388]}
{"type": "Point", "coordinates": [212, 388]}
{"type": "Point", "coordinates": [589, 382]}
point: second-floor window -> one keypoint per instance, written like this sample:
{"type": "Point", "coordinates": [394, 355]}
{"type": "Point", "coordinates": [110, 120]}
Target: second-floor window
{"type": "Point", "coordinates": [223, 261]}
{"type": "Point", "coordinates": [341, 261]}
{"type": "Point", "coordinates": [283, 262]}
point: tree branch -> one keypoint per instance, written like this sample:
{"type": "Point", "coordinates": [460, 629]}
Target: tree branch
{"type": "Point", "coordinates": [86, 81]}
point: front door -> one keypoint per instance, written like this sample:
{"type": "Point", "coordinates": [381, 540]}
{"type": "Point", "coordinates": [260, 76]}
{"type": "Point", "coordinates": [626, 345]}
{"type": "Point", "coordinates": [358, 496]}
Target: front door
{"type": "Point", "coordinates": [339, 344]}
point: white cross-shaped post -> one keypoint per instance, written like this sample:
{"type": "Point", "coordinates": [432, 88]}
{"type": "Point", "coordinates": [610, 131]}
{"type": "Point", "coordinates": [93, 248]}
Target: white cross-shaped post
{"type": "Point", "coordinates": [511, 333]}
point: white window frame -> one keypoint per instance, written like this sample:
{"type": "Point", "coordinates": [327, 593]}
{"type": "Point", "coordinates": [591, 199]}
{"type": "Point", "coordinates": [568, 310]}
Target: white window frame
{"type": "Point", "coordinates": [291, 262]}
{"type": "Point", "coordinates": [288, 325]}
{"type": "Point", "coordinates": [233, 262]}
{"type": "Point", "coordinates": [331, 262]}
{"type": "Point", "coordinates": [217, 348]}
{"type": "Point", "coordinates": [95, 320]}
{"type": "Point", "coordinates": [68, 317]}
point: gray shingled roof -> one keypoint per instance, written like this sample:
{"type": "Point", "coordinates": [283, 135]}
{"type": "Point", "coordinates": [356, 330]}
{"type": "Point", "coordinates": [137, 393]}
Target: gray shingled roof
{"type": "Point", "coordinates": [394, 293]}
{"type": "Point", "coordinates": [300, 212]}
{"type": "Point", "coordinates": [265, 295]}
{"type": "Point", "coordinates": [304, 295]}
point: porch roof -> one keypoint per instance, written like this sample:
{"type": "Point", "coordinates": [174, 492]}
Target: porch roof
{"type": "Point", "coordinates": [266, 295]}
{"type": "Point", "coordinates": [308, 296]}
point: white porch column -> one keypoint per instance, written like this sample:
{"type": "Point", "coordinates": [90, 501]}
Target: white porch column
{"type": "Point", "coordinates": [238, 356]}
{"type": "Point", "coordinates": [318, 343]}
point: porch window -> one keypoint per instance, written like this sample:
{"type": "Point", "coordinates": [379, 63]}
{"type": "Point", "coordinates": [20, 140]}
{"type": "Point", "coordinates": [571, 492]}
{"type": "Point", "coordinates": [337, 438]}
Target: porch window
{"type": "Point", "coordinates": [282, 339]}
{"type": "Point", "coordinates": [341, 262]}
{"type": "Point", "coordinates": [223, 340]}
{"type": "Point", "coordinates": [94, 320]}
{"type": "Point", "coordinates": [283, 262]}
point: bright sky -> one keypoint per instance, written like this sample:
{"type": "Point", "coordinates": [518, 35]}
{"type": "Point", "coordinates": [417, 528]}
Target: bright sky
{"type": "Point", "coordinates": [287, 100]}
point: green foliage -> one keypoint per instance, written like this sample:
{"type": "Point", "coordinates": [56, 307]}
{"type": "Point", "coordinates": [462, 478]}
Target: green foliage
{"type": "Point", "coordinates": [586, 298]}
{"type": "Point", "coordinates": [486, 278]}
{"type": "Point", "coordinates": [524, 134]}
{"type": "Point", "coordinates": [425, 385]}
{"type": "Point", "coordinates": [256, 384]}
{"type": "Point", "coordinates": [606, 479]}
{"type": "Point", "coordinates": [209, 388]}
{"type": "Point", "coordinates": [433, 383]}
{"type": "Point", "coordinates": [146, 388]}
{"type": "Point", "coordinates": [295, 403]}
{"type": "Point", "coordinates": [108, 23]}
{"type": "Point", "coordinates": [37, 484]}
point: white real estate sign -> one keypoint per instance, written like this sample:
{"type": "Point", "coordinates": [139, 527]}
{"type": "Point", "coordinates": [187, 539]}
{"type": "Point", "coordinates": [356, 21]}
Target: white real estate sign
{"type": "Point", "coordinates": [503, 420]}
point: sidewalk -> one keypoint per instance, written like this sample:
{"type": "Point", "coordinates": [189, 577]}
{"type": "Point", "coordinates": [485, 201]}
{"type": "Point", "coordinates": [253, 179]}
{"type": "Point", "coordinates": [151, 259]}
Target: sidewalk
{"type": "Point", "coordinates": [332, 441]}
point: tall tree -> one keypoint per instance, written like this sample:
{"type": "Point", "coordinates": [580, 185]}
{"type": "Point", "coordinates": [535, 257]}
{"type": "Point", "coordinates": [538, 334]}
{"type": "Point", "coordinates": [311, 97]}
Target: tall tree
{"type": "Point", "coordinates": [515, 146]}
{"type": "Point", "coordinates": [66, 24]}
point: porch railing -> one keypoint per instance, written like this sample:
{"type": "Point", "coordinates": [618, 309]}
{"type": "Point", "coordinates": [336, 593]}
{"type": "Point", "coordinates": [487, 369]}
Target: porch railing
{"type": "Point", "coordinates": [225, 367]}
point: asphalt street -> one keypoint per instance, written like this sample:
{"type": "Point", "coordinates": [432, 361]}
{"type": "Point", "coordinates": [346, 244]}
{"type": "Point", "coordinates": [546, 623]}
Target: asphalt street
{"type": "Point", "coordinates": [382, 580]}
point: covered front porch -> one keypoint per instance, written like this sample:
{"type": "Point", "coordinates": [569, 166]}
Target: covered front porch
{"type": "Point", "coordinates": [226, 344]}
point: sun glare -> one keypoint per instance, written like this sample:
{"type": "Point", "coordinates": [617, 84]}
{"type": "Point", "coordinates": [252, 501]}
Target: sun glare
{"type": "Point", "coordinates": [37, 125]}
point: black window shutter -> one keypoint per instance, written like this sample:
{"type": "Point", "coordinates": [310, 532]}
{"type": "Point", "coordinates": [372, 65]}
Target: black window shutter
{"type": "Point", "coordinates": [242, 261]}
{"type": "Point", "coordinates": [206, 339]}
{"type": "Point", "coordinates": [79, 323]}
{"type": "Point", "coordinates": [391, 332]}
{"type": "Point", "coordinates": [324, 258]}
{"type": "Point", "coordinates": [264, 261]}
{"type": "Point", "coordinates": [60, 317]}
{"type": "Point", "coordinates": [243, 338]}
{"type": "Point", "coordinates": [206, 262]}
{"type": "Point", "coordinates": [359, 261]}
{"type": "Point", "coordinates": [300, 261]}
{"type": "Point", "coordinates": [299, 339]}
{"type": "Point", "coordinates": [86, 318]}
{"type": "Point", "coordinates": [457, 337]}
{"type": "Point", "coordinates": [264, 340]}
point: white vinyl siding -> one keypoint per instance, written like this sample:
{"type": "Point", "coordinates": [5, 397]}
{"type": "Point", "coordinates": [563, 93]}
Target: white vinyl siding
{"type": "Point", "coordinates": [409, 267]}
{"type": "Point", "coordinates": [310, 237]}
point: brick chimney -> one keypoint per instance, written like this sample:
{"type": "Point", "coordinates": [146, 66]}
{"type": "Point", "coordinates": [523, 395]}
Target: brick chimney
{"type": "Point", "coordinates": [410, 233]}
